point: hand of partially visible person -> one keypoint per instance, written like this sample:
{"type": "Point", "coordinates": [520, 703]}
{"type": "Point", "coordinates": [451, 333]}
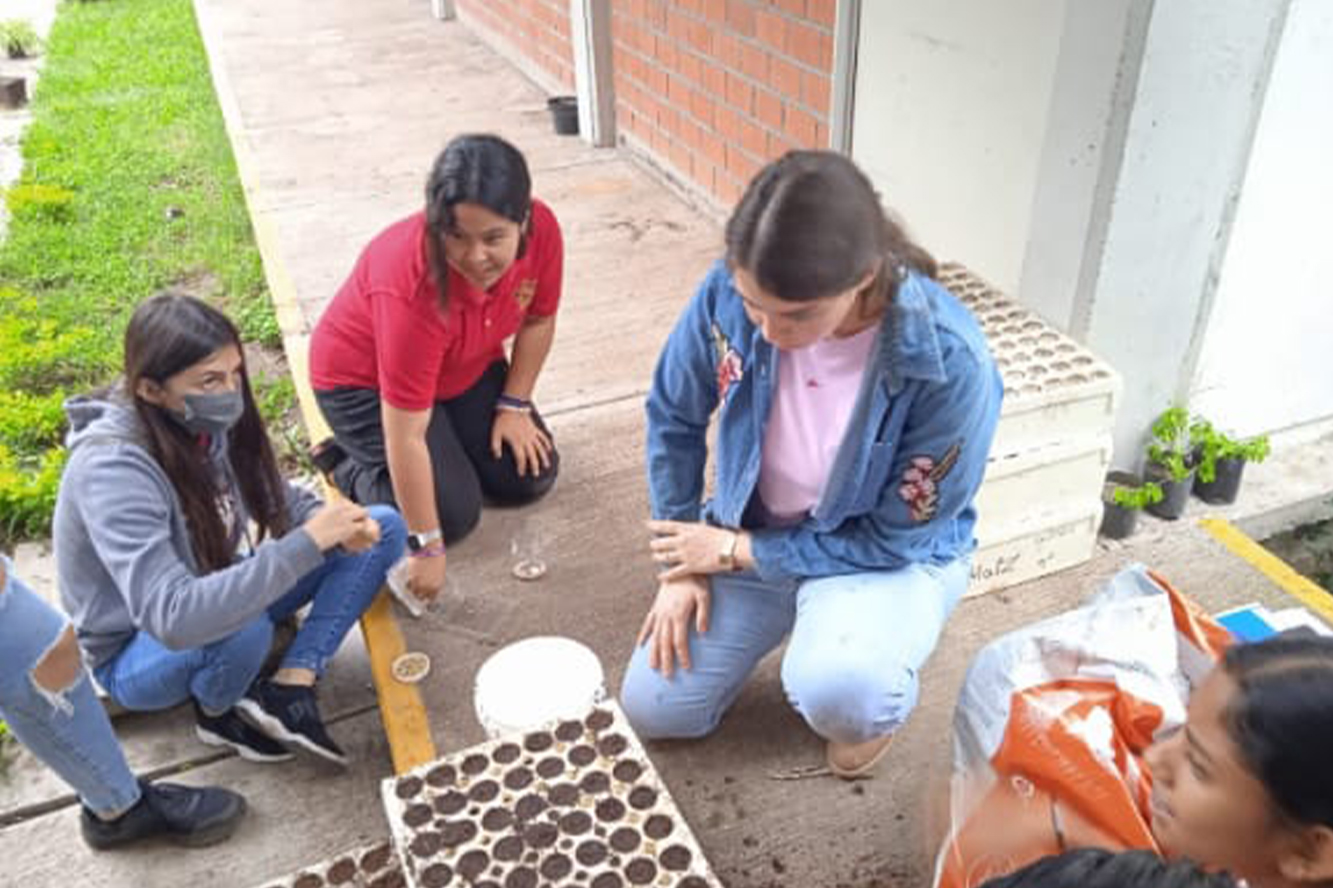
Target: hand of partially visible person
{"type": "Point", "coordinates": [666, 629]}
{"type": "Point", "coordinates": [364, 539]}
{"type": "Point", "coordinates": [425, 575]}
{"type": "Point", "coordinates": [338, 523]}
{"type": "Point", "coordinates": [687, 548]}
{"type": "Point", "coordinates": [531, 446]}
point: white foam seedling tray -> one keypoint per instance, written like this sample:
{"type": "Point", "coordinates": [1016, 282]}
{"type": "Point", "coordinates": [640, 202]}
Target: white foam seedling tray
{"type": "Point", "coordinates": [575, 803]}
{"type": "Point", "coordinates": [371, 866]}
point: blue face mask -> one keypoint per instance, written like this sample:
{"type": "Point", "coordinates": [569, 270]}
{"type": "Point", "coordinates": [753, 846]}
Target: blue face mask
{"type": "Point", "coordinates": [211, 414]}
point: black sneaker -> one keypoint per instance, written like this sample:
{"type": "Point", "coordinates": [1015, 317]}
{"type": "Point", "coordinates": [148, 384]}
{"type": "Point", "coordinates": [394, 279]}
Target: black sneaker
{"type": "Point", "coordinates": [188, 815]}
{"type": "Point", "coordinates": [289, 713]}
{"type": "Point", "coordinates": [229, 729]}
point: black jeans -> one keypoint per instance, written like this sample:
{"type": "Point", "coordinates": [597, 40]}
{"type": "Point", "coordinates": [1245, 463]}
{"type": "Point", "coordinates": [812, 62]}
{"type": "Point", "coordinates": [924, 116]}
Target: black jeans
{"type": "Point", "coordinates": [459, 440]}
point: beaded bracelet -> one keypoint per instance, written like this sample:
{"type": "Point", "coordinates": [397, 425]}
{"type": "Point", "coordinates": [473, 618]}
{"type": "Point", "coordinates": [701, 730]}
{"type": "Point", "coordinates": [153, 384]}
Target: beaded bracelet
{"type": "Point", "coordinates": [428, 551]}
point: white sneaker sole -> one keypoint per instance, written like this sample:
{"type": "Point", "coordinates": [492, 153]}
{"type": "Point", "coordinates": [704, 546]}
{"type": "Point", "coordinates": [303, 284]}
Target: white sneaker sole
{"type": "Point", "coordinates": [278, 731]}
{"type": "Point", "coordinates": [250, 755]}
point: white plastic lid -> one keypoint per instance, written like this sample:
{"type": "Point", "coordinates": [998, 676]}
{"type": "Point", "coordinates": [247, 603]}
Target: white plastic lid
{"type": "Point", "coordinates": [534, 681]}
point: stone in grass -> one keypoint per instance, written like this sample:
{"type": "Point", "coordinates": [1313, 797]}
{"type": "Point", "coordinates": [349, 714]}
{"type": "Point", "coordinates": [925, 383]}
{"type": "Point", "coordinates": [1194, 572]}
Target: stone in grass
{"type": "Point", "coordinates": [13, 92]}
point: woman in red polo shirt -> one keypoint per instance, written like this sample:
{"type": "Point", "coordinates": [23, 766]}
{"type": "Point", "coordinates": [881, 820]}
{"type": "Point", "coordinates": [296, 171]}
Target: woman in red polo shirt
{"type": "Point", "coordinates": [408, 361]}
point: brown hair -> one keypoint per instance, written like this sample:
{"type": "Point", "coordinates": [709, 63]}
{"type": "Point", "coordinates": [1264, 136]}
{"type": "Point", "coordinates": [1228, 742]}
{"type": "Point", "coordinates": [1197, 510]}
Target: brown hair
{"type": "Point", "coordinates": [480, 169]}
{"type": "Point", "coordinates": [810, 225]}
{"type": "Point", "coordinates": [167, 334]}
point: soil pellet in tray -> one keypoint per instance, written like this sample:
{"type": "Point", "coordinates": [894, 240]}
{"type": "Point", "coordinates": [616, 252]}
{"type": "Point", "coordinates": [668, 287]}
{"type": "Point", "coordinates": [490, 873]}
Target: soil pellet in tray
{"type": "Point", "coordinates": [612, 745]}
{"type": "Point", "coordinates": [408, 787]}
{"type": "Point", "coordinates": [308, 880]}
{"type": "Point", "coordinates": [641, 871]}
{"type": "Point", "coordinates": [625, 839]}
{"type": "Point", "coordinates": [538, 742]}
{"type": "Point", "coordinates": [595, 782]}
{"type": "Point", "coordinates": [568, 731]}
{"type": "Point", "coordinates": [658, 826]}
{"type": "Point", "coordinates": [556, 867]}
{"type": "Point", "coordinates": [391, 879]}
{"type": "Point", "coordinates": [517, 778]}
{"type": "Point", "coordinates": [474, 764]}
{"type": "Point", "coordinates": [444, 775]}
{"type": "Point", "coordinates": [610, 809]}
{"type": "Point", "coordinates": [451, 802]}
{"type": "Point", "coordinates": [549, 767]}
{"type": "Point", "coordinates": [575, 823]}
{"type": "Point", "coordinates": [523, 877]}
{"type": "Point", "coordinates": [437, 875]}
{"type": "Point", "coordinates": [676, 858]}
{"type": "Point", "coordinates": [627, 771]}
{"type": "Point", "coordinates": [417, 815]}
{"type": "Point", "coordinates": [484, 791]}
{"type": "Point", "coordinates": [642, 797]}
{"type": "Point", "coordinates": [541, 835]}
{"type": "Point", "coordinates": [607, 880]}
{"type": "Point", "coordinates": [458, 832]}
{"type": "Point", "coordinates": [582, 755]}
{"type": "Point", "coordinates": [590, 853]}
{"type": "Point", "coordinates": [506, 753]}
{"type": "Point", "coordinates": [509, 848]}
{"type": "Point", "coordinates": [342, 872]}
{"type": "Point", "coordinates": [564, 794]}
{"type": "Point", "coordinates": [599, 720]}
{"type": "Point", "coordinates": [473, 864]}
{"type": "Point", "coordinates": [693, 882]}
{"type": "Point", "coordinates": [530, 806]}
{"type": "Point", "coordinates": [375, 859]}
{"type": "Point", "coordinates": [497, 819]}
{"type": "Point", "coordinates": [426, 844]}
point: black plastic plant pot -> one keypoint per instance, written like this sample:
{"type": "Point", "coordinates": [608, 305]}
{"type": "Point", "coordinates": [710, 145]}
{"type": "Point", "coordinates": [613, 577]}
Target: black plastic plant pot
{"type": "Point", "coordinates": [1224, 488]}
{"type": "Point", "coordinates": [1175, 494]}
{"type": "Point", "coordinates": [564, 114]}
{"type": "Point", "coordinates": [1117, 521]}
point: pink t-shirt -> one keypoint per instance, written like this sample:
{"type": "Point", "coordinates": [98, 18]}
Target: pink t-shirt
{"type": "Point", "coordinates": [816, 391]}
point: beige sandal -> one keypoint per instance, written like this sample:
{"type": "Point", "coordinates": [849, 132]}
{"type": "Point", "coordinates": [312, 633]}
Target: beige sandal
{"type": "Point", "coordinates": [857, 761]}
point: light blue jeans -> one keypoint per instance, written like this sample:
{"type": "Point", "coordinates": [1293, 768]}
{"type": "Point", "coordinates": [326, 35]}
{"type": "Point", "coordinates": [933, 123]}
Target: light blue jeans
{"type": "Point", "coordinates": [66, 728]}
{"type": "Point", "coordinates": [858, 642]}
{"type": "Point", "coordinates": [147, 675]}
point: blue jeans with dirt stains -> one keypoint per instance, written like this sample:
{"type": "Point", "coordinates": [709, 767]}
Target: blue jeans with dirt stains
{"type": "Point", "coordinates": [66, 728]}
{"type": "Point", "coordinates": [147, 675]}
{"type": "Point", "coordinates": [857, 645]}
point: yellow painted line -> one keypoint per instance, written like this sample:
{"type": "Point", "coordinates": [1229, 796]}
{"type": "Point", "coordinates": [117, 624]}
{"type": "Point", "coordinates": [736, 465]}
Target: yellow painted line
{"type": "Point", "coordinates": [402, 711]}
{"type": "Point", "coordinates": [1298, 586]}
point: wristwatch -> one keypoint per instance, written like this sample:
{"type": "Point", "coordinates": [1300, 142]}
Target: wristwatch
{"type": "Point", "coordinates": [418, 541]}
{"type": "Point", "coordinates": [727, 557]}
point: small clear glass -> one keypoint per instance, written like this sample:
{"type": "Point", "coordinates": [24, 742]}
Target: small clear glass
{"type": "Point", "coordinates": [528, 548]}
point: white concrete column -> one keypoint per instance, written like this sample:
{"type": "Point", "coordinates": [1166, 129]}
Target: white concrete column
{"type": "Point", "coordinates": [590, 36]}
{"type": "Point", "coordinates": [1148, 282]}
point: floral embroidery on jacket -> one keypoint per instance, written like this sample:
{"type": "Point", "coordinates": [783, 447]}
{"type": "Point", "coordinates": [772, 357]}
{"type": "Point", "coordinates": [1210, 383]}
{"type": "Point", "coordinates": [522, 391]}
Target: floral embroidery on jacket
{"type": "Point", "coordinates": [729, 366]}
{"type": "Point", "coordinates": [920, 485]}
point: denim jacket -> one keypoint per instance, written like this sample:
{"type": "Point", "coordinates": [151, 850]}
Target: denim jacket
{"type": "Point", "coordinates": [901, 487]}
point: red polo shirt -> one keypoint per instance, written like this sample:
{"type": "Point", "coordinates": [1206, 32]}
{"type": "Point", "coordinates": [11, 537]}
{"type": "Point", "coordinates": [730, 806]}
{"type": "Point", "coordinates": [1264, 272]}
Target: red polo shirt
{"type": "Point", "coordinates": [384, 329]}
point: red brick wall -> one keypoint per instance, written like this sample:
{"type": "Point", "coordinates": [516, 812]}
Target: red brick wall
{"type": "Point", "coordinates": [714, 88]}
{"type": "Point", "coordinates": [539, 29]}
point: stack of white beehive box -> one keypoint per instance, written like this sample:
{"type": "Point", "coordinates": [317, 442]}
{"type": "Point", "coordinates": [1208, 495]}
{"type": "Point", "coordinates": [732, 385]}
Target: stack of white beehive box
{"type": "Point", "coordinates": [1040, 503]}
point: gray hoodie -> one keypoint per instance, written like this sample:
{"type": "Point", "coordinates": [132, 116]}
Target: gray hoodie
{"type": "Point", "coordinates": [123, 554]}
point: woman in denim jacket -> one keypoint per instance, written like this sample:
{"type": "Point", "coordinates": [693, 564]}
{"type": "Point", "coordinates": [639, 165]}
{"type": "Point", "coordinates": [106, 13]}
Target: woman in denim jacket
{"type": "Point", "coordinates": [856, 402]}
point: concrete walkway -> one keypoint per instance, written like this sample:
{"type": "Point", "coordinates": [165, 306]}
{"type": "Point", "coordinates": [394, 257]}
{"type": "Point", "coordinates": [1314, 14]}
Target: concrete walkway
{"type": "Point", "coordinates": [338, 111]}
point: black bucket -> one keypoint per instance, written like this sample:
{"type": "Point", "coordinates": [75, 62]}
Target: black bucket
{"type": "Point", "coordinates": [1175, 494]}
{"type": "Point", "coordinates": [564, 114]}
{"type": "Point", "coordinates": [1117, 521]}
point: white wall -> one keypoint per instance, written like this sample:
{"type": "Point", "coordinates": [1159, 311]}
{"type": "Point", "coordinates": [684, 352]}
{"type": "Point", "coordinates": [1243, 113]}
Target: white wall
{"type": "Point", "coordinates": [1267, 359]}
{"type": "Point", "coordinates": [951, 103]}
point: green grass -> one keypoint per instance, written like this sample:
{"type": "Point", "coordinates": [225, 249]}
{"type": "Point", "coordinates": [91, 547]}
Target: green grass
{"type": "Point", "coordinates": [128, 186]}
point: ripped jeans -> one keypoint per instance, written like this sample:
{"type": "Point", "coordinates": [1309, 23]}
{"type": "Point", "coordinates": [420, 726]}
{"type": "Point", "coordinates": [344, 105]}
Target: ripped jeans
{"type": "Point", "coordinates": [62, 723]}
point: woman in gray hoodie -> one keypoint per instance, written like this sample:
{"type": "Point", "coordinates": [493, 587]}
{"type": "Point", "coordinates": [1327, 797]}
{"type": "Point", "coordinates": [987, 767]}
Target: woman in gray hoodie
{"type": "Point", "coordinates": [178, 544]}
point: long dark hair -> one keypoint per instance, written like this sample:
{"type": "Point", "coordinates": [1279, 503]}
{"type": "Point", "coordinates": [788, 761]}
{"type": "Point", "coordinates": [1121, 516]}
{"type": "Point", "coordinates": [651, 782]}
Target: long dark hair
{"type": "Point", "coordinates": [478, 169]}
{"type": "Point", "coordinates": [1099, 868]}
{"type": "Point", "coordinates": [810, 225]}
{"type": "Point", "coordinates": [1281, 717]}
{"type": "Point", "coordinates": [169, 333]}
